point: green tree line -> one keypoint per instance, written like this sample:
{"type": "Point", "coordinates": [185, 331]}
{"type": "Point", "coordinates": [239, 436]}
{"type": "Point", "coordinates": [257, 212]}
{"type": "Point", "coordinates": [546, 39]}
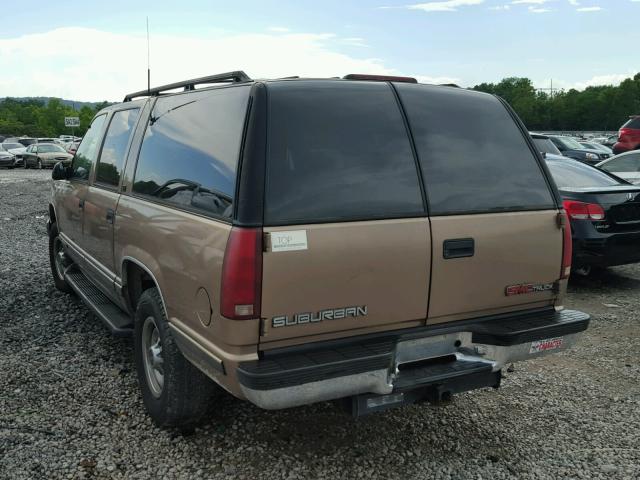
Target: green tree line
{"type": "Point", "coordinates": [594, 108]}
{"type": "Point", "coordinates": [35, 118]}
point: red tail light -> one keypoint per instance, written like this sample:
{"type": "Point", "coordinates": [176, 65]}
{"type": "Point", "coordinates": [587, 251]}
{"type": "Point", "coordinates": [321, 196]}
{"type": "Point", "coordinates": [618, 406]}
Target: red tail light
{"type": "Point", "coordinates": [583, 211]}
{"type": "Point", "coordinates": [567, 248]}
{"type": "Point", "coordinates": [623, 131]}
{"type": "Point", "coordinates": [241, 288]}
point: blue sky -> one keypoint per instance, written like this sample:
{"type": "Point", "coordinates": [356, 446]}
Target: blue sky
{"type": "Point", "coordinates": [95, 50]}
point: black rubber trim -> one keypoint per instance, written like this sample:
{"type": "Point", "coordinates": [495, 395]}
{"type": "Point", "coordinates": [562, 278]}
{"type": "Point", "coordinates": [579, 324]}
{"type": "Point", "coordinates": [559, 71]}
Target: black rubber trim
{"type": "Point", "coordinates": [430, 374]}
{"type": "Point", "coordinates": [528, 328]}
{"type": "Point", "coordinates": [322, 364]}
{"type": "Point", "coordinates": [297, 365]}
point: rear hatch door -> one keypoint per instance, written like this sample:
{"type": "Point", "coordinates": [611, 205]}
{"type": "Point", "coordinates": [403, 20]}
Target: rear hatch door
{"type": "Point", "coordinates": [494, 215]}
{"type": "Point", "coordinates": [347, 236]}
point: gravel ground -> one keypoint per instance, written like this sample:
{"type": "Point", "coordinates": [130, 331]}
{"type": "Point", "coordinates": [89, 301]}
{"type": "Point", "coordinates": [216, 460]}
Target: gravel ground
{"type": "Point", "coordinates": [70, 406]}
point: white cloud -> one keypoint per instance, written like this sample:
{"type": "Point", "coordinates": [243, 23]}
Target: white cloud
{"type": "Point", "coordinates": [598, 80]}
{"type": "Point", "coordinates": [574, 3]}
{"type": "Point", "coordinates": [88, 64]}
{"type": "Point", "coordinates": [589, 9]}
{"type": "Point", "coordinates": [539, 10]}
{"type": "Point", "coordinates": [444, 6]}
{"type": "Point", "coordinates": [500, 7]}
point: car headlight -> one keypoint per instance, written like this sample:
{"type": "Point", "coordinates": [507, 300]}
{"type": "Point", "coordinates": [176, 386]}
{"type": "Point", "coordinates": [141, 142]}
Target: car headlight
{"type": "Point", "coordinates": [591, 156]}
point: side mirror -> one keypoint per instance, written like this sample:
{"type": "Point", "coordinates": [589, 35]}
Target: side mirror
{"type": "Point", "coordinates": [544, 154]}
{"type": "Point", "coordinates": [59, 172]}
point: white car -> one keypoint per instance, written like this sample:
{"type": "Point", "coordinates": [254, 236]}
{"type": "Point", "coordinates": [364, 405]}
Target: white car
{"type": "Point", "coordinates": [626, 166]}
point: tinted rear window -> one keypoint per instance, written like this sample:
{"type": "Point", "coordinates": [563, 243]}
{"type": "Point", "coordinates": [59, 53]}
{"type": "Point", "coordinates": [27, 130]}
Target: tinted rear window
{"type": "Point", "coordinates": [190, 151]}
{"type": "Point", "coordinates": [473, 156]}
{"type": "Point", "coordinates": [632, 123]}
{"type": "Point", "coordinates": [338, 151]}
{"type": "Point", "coordinates": [573, 174]}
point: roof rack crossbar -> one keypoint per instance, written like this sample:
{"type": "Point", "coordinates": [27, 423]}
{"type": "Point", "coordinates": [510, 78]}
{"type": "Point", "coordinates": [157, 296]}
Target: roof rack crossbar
{"type": "Point", "coordinates": [230, 77]}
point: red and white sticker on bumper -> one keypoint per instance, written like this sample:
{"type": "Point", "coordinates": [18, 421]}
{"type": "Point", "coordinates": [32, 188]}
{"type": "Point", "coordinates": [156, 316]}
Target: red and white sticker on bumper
{"type": "Point", "coordinates": [545, 345]}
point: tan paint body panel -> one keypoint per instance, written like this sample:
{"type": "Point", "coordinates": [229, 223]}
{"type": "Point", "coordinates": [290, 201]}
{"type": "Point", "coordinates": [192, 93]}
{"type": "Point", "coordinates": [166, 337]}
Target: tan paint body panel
{"type": "Point", "coordinates": [510, 249]}
{"type": "Point", "coordinates": [381, 264]}
{"type": "Point", "coordinates": [184, 252]}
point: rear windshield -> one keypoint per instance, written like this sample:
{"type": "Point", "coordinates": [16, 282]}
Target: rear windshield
{"type": "Point", "coordinates": [473, 156]}
{"type": "Point", "coordinates": [544, 145]}
{"type": "Point", "coordinates": [573, 174]}
{"type": "Point", "coordinates": [632, 123]}
{"type": "Point", "coordinates": [338, 151]}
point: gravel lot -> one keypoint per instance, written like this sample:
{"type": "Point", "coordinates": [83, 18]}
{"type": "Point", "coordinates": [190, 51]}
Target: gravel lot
{"type": "Point", "coordinates": [70, 406]}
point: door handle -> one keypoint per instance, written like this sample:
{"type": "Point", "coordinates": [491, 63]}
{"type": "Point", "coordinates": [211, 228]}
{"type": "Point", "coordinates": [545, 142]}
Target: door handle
{"type": "Point", "coordinates": [110, 215]}
{"type": "Point", "coordinates": [458, 248]}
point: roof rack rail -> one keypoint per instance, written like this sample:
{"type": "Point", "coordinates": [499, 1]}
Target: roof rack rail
{"type": "Point", "coordinates": [230, 77]}
{"type": "Point", "coordinates": [379, 78]}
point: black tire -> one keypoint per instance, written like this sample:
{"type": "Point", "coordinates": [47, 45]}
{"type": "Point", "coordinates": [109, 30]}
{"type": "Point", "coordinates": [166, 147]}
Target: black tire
{"type": "Point", "coordinates": [26, 165]}
{"type": "Point", "coordinates": [39, 164]}
{"type": "Point", "coordinates": [56, 273]}
{"type": "Point", "coordinates": [186, 393]}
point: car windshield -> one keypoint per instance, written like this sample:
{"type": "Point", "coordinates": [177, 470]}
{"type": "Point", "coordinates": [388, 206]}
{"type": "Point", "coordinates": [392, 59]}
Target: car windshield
{"type": "Point", "coordinates": [545, 145]}
{"type": "Point", "coordinates": [570, 143]}
{"type": "Point", "coordinates": [49, 148]}
{"type": "Point", "coordinates": [572, 174]}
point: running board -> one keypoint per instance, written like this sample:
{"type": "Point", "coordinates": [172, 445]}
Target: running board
{"type": "Point", "coordinates": [117, 321]}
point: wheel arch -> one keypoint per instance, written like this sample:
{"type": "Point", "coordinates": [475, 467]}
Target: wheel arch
{"type": "Point", "coordinates": [136, 278]}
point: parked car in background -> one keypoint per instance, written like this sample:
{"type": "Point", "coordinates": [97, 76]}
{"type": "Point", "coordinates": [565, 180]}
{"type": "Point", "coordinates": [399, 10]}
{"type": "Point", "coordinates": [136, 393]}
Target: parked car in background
{"type": "Point", "coordinates": [628, 136]}
{"type": "Point", "coordinates": [26, 141]}
{"type": "Point", "coordinates": [544, 145]}
{"type": "Point", "coordinates": [15, 149]}
{"type": "Point", "coordinates": [7, 160]}
{"type": "Point", "coordinates": [610, 141]}
{"type": "Point", "coordinates": [570, 147]}
{"type": "Point", "coordinates": [626, 166]}
{"type": "Point", "coordinates": [597, 146]}
{"type": "Point", "coordinates": [43, 155]}
{"type": "Point", "coordinates": [604, 212]}
{"type": "Point", "coordinates": [46, 140]}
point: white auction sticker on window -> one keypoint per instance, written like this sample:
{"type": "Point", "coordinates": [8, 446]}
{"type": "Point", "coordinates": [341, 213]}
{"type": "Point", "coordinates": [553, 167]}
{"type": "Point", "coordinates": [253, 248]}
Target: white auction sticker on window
{"type": "Point", "coordinates": [288, 241]}
{"type": "Point", "coordinates": [545, 345]}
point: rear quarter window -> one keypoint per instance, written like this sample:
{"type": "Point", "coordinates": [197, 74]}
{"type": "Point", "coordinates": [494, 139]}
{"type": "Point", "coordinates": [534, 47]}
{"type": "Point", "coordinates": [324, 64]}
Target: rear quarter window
{"type": "Point", "coordinates": [338, 151]}
{"type": "Point", "coordinates": [633, 123]}
{"type": "Point", "coordinates": [191, 148]}
{"type": "Point", "coordinates": [473, 156]}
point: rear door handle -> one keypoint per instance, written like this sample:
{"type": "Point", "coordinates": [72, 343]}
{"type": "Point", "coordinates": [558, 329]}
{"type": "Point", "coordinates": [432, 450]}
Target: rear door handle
{"type": "Point", "coordinates": [458, 248]}
{"type": "Point", "coordinates": [110, 215]}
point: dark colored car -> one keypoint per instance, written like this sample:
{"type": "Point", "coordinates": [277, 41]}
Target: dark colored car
{"type": "Point", "coordinates": [604, 212]}
{"type": "Point", "coordinates": [628, 136]}
{"type": "Point", "coordinates": [27, 141]}
{"type": "Point", "coordinates": [570, 147]}
{"type": "Point", "coordinates": [6, 159]}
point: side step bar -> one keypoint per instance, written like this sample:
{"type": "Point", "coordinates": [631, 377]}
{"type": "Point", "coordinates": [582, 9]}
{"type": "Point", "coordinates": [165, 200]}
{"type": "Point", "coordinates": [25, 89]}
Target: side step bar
{"type": "Point", "coordinates": [117, 321]}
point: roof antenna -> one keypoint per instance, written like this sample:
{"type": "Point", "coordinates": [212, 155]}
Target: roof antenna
{"type": "Point", "coordinates": [148, 62]}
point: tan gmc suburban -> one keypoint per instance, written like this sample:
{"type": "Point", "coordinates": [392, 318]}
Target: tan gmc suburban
{"type": "Point", "coordinates": [301, 240]}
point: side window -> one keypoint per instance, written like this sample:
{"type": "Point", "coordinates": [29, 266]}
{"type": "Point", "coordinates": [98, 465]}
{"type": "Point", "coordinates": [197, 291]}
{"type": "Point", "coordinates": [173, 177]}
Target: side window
{"type": "Point", "coordinates": [115, 145]}
{"type": "Point", "coordinates": [190, 150]}
{"type": "Point", "coordinates": [338, 151]}
{"type": "Point", "coordinates": [473, 156]}
{"type": "Point", "coordinates": [88, 149]}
